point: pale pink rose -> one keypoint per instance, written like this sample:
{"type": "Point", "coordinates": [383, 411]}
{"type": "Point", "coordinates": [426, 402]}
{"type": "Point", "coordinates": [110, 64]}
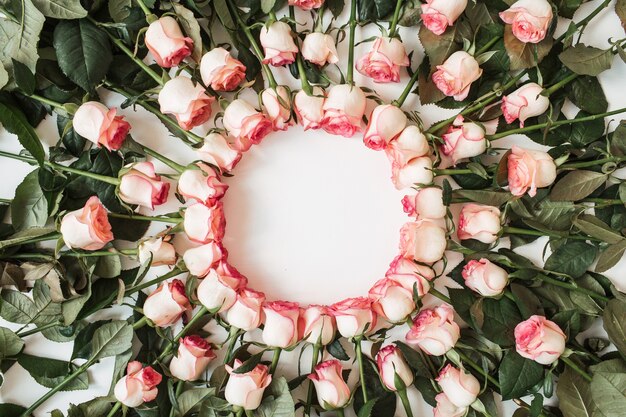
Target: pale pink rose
{"type": "Point", "coordinates": [332, 390]}
{"type": "Point", "coordinates": [204, 224]}
{"type": "Point", "coordinates": [220, 71]}
{"type": "Point", "coordinates": [539, 339]}
{"type": "Point", "coordinates": [160, 249]}
{"type": "Point", "coordinates": [187, 102]}
{"type": "Point", "coordinates": [218, 290]}
{"type": "Point", "coordinates": [529, 170]}
{"type": "Point", "coordinates": [445, 407]}
{"type": "Point", "coordinates": [427, 203]}
{"type": "Point", "coordinates": [343, 110]}
{"type": "Point", "coordinates": [281, 325]}
{"type": "Point", "coordinates": [460, 387]}
{"type": "Point", "coordinates": [278, 45]}
{"type": "Point", "coordinates": [410, 144]}
{"type": "Point", "coordinates": [201, 259]}
{"type": "Point", "coordinates": [318, 325]}
{"type": "Point", "coordinates": [416, 171]}
{"type": "Point", "coordinates": [277, 106]}
{"type": "Point", "coordinates": [201, 183]}
{"type": "Point", "coordinates": [192, 359]}
{"type": "Point", "coordinates": [354, 316]}
{"type": "Point", "coordinates": [319, 49]}
{"type": "Point", "coordinates": [246, 389]}
{"type": "Point", "coordinates": [246, 312]}
{"type": "Point", "coordinates": [479, 222]}
{"type": "Point", "coordinates": [386, 123]}
{"type": "Point", "coordinates": [391, 362]}
{"type": "Point", "coordinates": [100, 125]}
{"type": "Point", "coordinates": [310, 108]}
{"type": "Point", "coordinates": [455, 77]}
{"type": "Point", "coordinates": [424, 241]}
{"type": "Point", "coordinates": [141, 185]}
{"type": "Point", "coordinates": [384, 61]}
{"type": "Point", "coordinates": [166, 305]}
{"type": "Point", "coordinates": [246, 124]}
{"type": "Point", "coordinates": [414, 277]}
{"type": "Point", "coordinates": [437, 15]}
{"type": "Point", "coordinates": [391, 300]}
{"type": "Point", "coordinates": [307, 4]}
{"type": "Point", "coordinates": [434, 330]}
{"type": "Point", "coordinates": [167, 43]}
{"type": "Point", "coordinates": [523, 103]}
{"type": "Point", "coordinates": [216, 150]}
{"type": "Point", "coordinates": [138, 386]}
{"type": "Point", "coordinates": [485, 277]}
{"type": "Point", "coordinates": [529, 19]}
{"type": "Point", "coordinates": [87, 228]}
{"type": "Point", "coordinates": [463, 140]}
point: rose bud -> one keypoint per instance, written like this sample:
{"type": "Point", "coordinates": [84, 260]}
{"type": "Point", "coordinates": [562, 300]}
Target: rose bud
{"type": "Point", "coordinates": [310, 108]}
{"type": "Point", "coordinates": [204, 224]}
{"type": "Point", "coordinates": [455, 77]}
{"type": "Point", "coordinates": [390, 363]}
{"type": "Point", "coordinates": [343, 110]}
{"type": "Point", "coordinates": [281, 325]}
{"type": "Point", "coordinates": [332, 390]}
{"type": "Point", "coordinates": [386, 123]}
{"type": "Point", "coordinates": [185, 101]}
{"type": "Point", "coordinates": [87, 228]}
{"type": "Point", "coordinates": [529, 19]}
{"type": "Point", "coordinates": [445, 407]}
{"type": "Point", "coordinates": [138, 386]}
{"type": "Point", "coordinates": [167, 303]}
{"type": "Point", "coordinates": [246, 389]}
{"type": "Point", "coordinates": [391, 300]}
{"type": "Point", "coordinates": [277, 106]}
{"type": "Point", "coordinates": [354, 316]}
{"type": "Point", "coordinates": [201, 183]}
{"type": "Point", "coordinates": [218, 291]}
{"type": "Point", "coordinates": [539, 339]}
{"type": "Point", "coordinates": [307, 4]}
{"type": "Point", "coordinates": [216, 150]}
{"type": "Point", "coordinates": [383, 63]}
{"type": "Point", "coordinates": [194, 355]}
{"type": "Point", "coordinates": [523, 103]}
{"type": "Point", "coordinates": [278, 45]}
{"type": "Point", "coordinates": [246, 124]}
{"type": "Point", "coordinates": [201, 259]}
{"type": "Point", "coordinates": [414, 277]}
{"type": "Point", "coordinates": [246, 313]}
{"type": "Point", "coordinates": [416, 171]}
{"type": "Point", "coordinates": [529, 170]}
{"type": "Point", "coordinates": [479, 222]}
{"type": "Point", "coordinates": [460, 387]}
{"type": "Point", "coordinates": [410, 144]}
{"type": "Point", "coordinates": [485, 277]}
{"type": "Point", "coordinates": [319, 49]}
{"type": "Point", "coordinates": [427, 203]}
{"type": "Point", "coordinates": [319, 325]}
{"type": "Point", "coordinates": [434, 330]}
{"type": "Point", "coordinates": [166, 42]}
{"type": "Point", "coordinates": [424, 241]}
{"type": "Point", "coordinates": [221, 71]}
{"type": "Point", "coordinates": [463, 140]}
{"type": "Point", "coordinates": [161, 251]}
{"type": "Point", "coordinates": [437, 15]}
{"type": "Point", "coordinates": [141, 185]}
{"type": "Point", "coordinates": [100, 125]}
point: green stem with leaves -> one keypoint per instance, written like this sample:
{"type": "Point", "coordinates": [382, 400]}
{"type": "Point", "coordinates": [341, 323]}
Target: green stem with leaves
{"type": "Point", "coordinates": [353, 23]}
{"type": "Point", "coordinates": [572, 287]}
{"type": "Point", "coordinates": [570, 363]}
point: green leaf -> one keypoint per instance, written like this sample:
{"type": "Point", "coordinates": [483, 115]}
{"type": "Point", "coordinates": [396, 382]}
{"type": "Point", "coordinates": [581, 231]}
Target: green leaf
{"type": "Point", "coordinates": [614, 321]}
{"type": "Point", "coordinates": [108, 266]}
{"type": "Point", "coordinates": [586, 60]}
{"type": "Point", "coordinates": [14, 121]}
{"type": "Point", "coordinates": [16, 307]}
{"type": "Point", "coordinates": [500, 318]}
{"type": "Point", "coordinates": [517, 375]}
{"type": "Point", "coordinates": [278, 401]}
{"type": "Point", "coordinates": [24, 77]}
{"type": "Point", "coordinates": [574, 393]}
{"type": "Point", "coordinates": [572, 258]}
{"type": "Point", "coordinates": [19, 39]}
{"type": "Point", "coordinates": [608, 388]}
{"type": "Point", "coordinates": [366, 410]}
{"type": "Point", "coordinates": [595, 227]}
{"type": "Point", "coordinates": [491, 198]}
{"type": "Point", "coordinates": [111, 339]}
{"type": "Point", "coordinates": [10, 343]}
{"type": "Point", "coordinates": [11, 410]}
{"type": "Point", "coordinates": [4, 76]}
{"type": "Point", "coordinates": [192, 399]}
{"type": "Point", "coordinates": [29, 207]}
{"type": "Point", "coordinates": [610, 256]}
{"type": "Point", "coordinates": [190, 26]}
{"type": "Point", "coordinates": [337, 350]}
{"type": "Point", "coordinates": [582, 134]}
{"type": "Point", "coordinates": [374, 9]}
{"type": "Point", "coordinates": [587, 94]}
{"type": "Point", "coordinates": [26, 235]}
{"type": "Point", "coordinates": [438, 47]}
{"type": "Point", "coordinates": [61, 9]}
{"type": "Point", "coordinates": [522, 55]}
{"type": "Point", "coordinates": [577, 185]}
{"type": "Point", "coordinates": [335, 6]}
{"type": "Point", "coordinates": [213, 406]}
{"type": "Point", "coordinates": [620, 10]}
{"type": "Point", "coordinates": [51, 372]}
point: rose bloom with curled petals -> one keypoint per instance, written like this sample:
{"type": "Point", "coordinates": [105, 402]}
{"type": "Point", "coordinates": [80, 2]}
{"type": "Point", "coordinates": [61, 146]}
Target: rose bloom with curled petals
{"type": "Point", "coordinates": [318, 325]}
{"type": "Point", "coordinates": [98, 124]}
{"type": "Point", "coordinates": [218, 290]}
{"type": "Point", "coordinates": [141, 185]}
{"type": "Point", "coordinates": [446, 408]}
{"type": "Point", "coordinates": [391, 300]}
{"type": "Point", "coordinates": [204, 224]}
{"type": "Point", "coordinates": [187, 102]}
{"type": "Point", "coordinates": [246, 124]}
{"type": "Point", "coordinates": [307, 4]}
{"type": "Point", "coordinates": [416, 171]}
{"type": "Point", "coordinates": [87, 228]}
{"type": "Point", "coordinates": [424, 241]}
{"type": "Point", "coordinates": [310, 108]}
{"type": "Point", "coordinates": [246, 313]}
{"type": "Point", "coordinates": [167, 303]}
{"type": "Point", "coordinates": [391, 362]}
{"type": "Point", "coordinates": [201, 259]}
{"type": "Point", "coordinates": [529, 19]}
{"type": "Point", "coordinates": [460, 387]}
{"type": "Point", "coordinates": [434, 330]}
{"type": "Point", "coordinates": [479, 222]}
{"type": "Point", "coordinates": [437, 15]}
{"type": "Point", "coordinates": [332, 390]}
{"type": "Point", "coordinates": [282, 326]}
{"type": "Point", "coordinates": [463, 140]}
{"type": "Point", "coordinates": [410, 144]}
{"type": "Point", "coordinates": [383, 62]}
{"type": "Point", "coordinates": [221, 71]}
{"type": "Point", "coordinates": [523, 103]}
{"type": "Point", "coordinates": [539, 339]}
{"type": "Point", "coordinates": [246, 389]}
{"type": "Point", "coordinates": [160, 249]}
{"type": "Point", "coordinates": [354, 316]}
{"type": "Point", "coordinates": [456, 75]}
{"type": "Point", "coordinates": [217, 151]}
{"type": "Point", "coordinates": [343, 110]}
{"type": "Point", "coordinates": [427, 203]}
{"type": "Point", "coordinates": [386, 123]}
{"type": "Point", "coordinates": [193, 357]}
{"type": "Point", "coordinates": [529, 170]}
{"type": "Point", "coordinates": [200, 182]}
{"type": "Point", "coordinates": [166, 42]}
{"type": "Point", "coordinates": [138, 386]}
{"type": "Point", "coordinates": [485, 277]}
{"type": "Point", "coordinates": [277, 106]}
{"type": "Point", "coordinates": [414, 277]}
{"type": "Point", "coordinates": [319, 49]}
{"type": "Point", "coordinates": [278, 44]}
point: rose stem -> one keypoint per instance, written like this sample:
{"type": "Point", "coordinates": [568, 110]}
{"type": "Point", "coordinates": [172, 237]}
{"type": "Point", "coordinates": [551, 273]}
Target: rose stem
{"type": "Point", "coordinates": [359, 356]}
{"type": "Point", "coordinates": [44, 238]}
{"type": "Point", "coordinates": [340, 412]}
{"type": "Point", "coordinates": [162, 219]}
{"type": "Point", "coordinates": [95, 254]}
{"type": "Point", "coordinates": [407, 90]}
{"type": "Point", "coordinates": [396, 16]}
{"type": "Point", "coordinates": [529, 232]}
{"type": "Point", "coordinates": [309, 395]}
{"type": "Point", "coordinates": [436, 293]}
{"type": "Point", "coordinates": [233, 334]}
{"type": "Point", "coordinates": [203, 310]}
{"type": "Point", "coordinates": [405, 402]}
{"type": "Point", "coordinates": [275, 359]}
{"type": "Point", "coordinates": [179, 389]}
{"type": "Point", "coordinates": [576, 368]}
{"type": "Point", "coordinates": [350, 75]}
{"type": "Point", "coordinates": [145, 10]}
{"type": "Point", "coordinates": [572, 287]}
{"type": "Point", "coordinates": [304, 82]}
{"type": "Point", "coordinates": [584, 164]}
{"type": "Point", "coordinates": [174, 165]}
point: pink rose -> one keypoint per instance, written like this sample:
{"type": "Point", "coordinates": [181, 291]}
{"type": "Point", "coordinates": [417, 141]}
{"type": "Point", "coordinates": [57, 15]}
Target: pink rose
{"type": "Point", "coordinates": [100, 125]}
{"type": "Point", "coordinates": [383, 63]}
{"type": "Point", "coordinates": [319, 48]}
{"type": "Point", "coordinates": [434, 330]}
{"type": "Point", "coordinates": [332, 390]}
{"type": "Point", "coordinates": [424, 241]}
{"type": "Point", "coordinates": [391, 300]}
{"type": "Point", "coordinates": [281, 325]}
{"type": "Point", "coordinates": [201, 183]}
{"type": "Point", "coordinates": [485, 277]}
{"type": "Point", "coordinates": [391, 362]}
{"type": "Point", "coordinates": [416, 171]}
{"type": "Point", "coordinates": [445, 407]}
{"type": "Point", "coordinates": [354, 316]}
{"type": "Point", "coordinates": [410, 144]}
{"type": "Point", "coordinates": [194, 355]}
{"type": "Point", "coordinates": [318, 325]}
{"type": "Point", "coordinates": [167, 303]}
{"type": "Point", "coordinates": [201, 259]}
{"type": "Point", "coordinates": [278, 45]}
{"type": "Point", "coordinates": [187, 102]}
{"type": "Point", "coordinates": [307, 4]}
{"type": "Point", "coordinates": [246, 313]}
{"type": "Point", "coordinates": [523, 103]}
{"type": "Point", "coordinates": [529, 19]}
{"type": "Point", "coordinates": [479, 222]}
{"type": "Point", "coordinates": [204, 224]}
{"type": "Point", "coordinates": [246, 124]}
{"type": "Point", "coordinates": [437, 15]}
{"type": "Point", "coordinates": [167, 43]}
{"type": "Point", "coordinates": [310, 108]}
{"type": "Point", "coordinates": [218, 290]}
{"type": "Point", "coordinates": [221, 71]}
{"type": "Point", "coordinates": [460, 387]}
{"type": "Point", "coordinates": [455, 77]}
{"type": "Point", "coordinates": [277, 106]}
{"type": "Point", "coordinates": [386, 123]}
{"type": "Point", "coordinates": [141, 185]}
{"type": "Point", "coordinates": [539, 339]}
{"type": "Point", "coordinates": [343, 110]}
{"type": "Point", "coordinates": [160, 249]}
{"type": "Point", "coordinates": [414, 277]}
{"type": "Point", "coordinates": [216, 150]}
{"type": "Point", "coordinates": [529, 170]}
{"type": "Point", "coordinates": [463, 140]}
{"type": "Point", "coordinates": [246, 389]}
{"type": "Point", "coordinates": [87, 228]}
{"type": "Point", "coordinates": [138, 386]}
{"type": "Point", "coordinates": [427, 203]}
